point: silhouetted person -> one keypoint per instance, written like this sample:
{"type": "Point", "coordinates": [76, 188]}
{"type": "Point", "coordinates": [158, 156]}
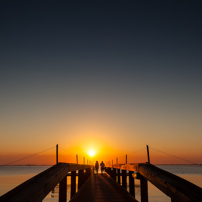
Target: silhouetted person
{"type": "Point", "coordinates": [96, 166]}
{"type": "Point", "coordinates": [102, 165]}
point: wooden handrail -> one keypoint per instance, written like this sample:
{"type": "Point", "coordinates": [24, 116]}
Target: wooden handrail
{"type": "Point", "coordinates": [36, 188]}
{"type": "Point", "coordinates": [178, 189]}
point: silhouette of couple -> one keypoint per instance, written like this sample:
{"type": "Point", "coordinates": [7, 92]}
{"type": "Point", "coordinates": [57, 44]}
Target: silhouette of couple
{"type": "Point", "coordinates": [102, 165]}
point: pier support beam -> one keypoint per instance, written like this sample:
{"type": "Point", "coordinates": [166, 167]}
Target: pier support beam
{"type": "Point", "coordinates": [114, 174]}
{"type": "Point", "coordinates": [73, 183]}
{"type": "Point", "coordinates": [63, 190]}
{"type": "Point", "coordinates": [124, 179]}
{"type": "Point", "coordinates": [118, 175]}
{"type": "Point", "coordinates": [80, 178]}
{"type": "Point", "coordinates": [88, 172]}
{"type": "Point", "coordinates": [131, 184]}
{"type": "Point", "coordinates": [144, 189]}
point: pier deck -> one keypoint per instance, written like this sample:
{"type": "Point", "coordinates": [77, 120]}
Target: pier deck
{"type": "Point", "coordinates": [101, 188]}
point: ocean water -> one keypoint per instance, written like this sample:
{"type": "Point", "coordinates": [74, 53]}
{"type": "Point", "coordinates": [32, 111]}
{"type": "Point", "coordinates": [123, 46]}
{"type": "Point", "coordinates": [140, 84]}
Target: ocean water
{"type": "Point", "coordinates": [12, 176]}
{"type": "Point", "coordinates": [192, 173]}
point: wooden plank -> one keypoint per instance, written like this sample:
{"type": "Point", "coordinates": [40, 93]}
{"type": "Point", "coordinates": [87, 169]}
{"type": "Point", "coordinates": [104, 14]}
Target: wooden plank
{"type": "Point", "coordinates": [178, 189]}
{"type": "Point", "coordinates": [102, 188]}
{"type": "Point", "coordinates": [36, 188]}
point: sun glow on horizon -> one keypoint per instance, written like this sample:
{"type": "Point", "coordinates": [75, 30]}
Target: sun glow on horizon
{"type": "Point", "coordinates": [91, 153]}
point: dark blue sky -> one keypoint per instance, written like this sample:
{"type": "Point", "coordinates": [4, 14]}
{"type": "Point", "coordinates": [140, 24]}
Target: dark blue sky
{"type": "Point", "coordinates": [127, 60]}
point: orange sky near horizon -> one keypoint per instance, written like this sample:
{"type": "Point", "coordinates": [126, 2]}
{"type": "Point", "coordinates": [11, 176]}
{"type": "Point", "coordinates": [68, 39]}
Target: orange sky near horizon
{"type": "Point", "coordinates": [102, 153]}
{"type": "Point", "coordinates": [111, 137]}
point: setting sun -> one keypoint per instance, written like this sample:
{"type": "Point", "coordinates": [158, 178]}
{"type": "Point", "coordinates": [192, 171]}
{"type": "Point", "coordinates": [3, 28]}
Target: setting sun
{"type": "Point", "coordinates": [91, 153]}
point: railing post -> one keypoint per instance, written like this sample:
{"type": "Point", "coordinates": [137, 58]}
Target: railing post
{"type": "Point", "coordinates": [63, 190]}
{"type": "Point", "coordinates": [118, 174]}
{"type": "Point", "coordinates": [77, 161]}
{"type": "Point", "coordinates": [116, 160]}
{"type": "Point", "coordinates": [88, 172]}
{"type": "Point", "coordinates": [126, 159]}
{"type": "Point", "coordinates": [56, 153]}
{"type": "Point", "coordinates": [73, 183]}
{"type": "Point", "coordinates": [144, 189]}
{"type": "Point", "coordinates": [124, 179]}
{"type": "Point", "coordinates": [131, 184]}
{"type": "Point", "coordinates": [92, 170]}
{"type": "Point", "coordinates": [114, 174]}
{"type": "Point", "coordinates": [80, 178]}
{"type": "Point", "coordinates": [148, 154]}
{"type": "Point", "coordinates": [108, 171]}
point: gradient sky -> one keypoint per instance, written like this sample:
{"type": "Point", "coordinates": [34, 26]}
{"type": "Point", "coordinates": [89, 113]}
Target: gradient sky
{"type": "Point", "coordinates": [108, 75]}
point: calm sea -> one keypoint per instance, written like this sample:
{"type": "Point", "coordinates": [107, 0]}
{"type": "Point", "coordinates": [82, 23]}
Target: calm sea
{"type": "Point", "coordinates": [11, 176]}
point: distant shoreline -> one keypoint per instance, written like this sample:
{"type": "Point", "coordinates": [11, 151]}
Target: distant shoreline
{"type": "Point", "coordinates": [54, 164]}
{"type": "Point", "coordinates": [26, 165]}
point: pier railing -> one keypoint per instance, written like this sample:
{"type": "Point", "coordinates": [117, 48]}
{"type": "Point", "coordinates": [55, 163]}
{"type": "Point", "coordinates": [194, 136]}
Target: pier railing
{"type": "Point", "coordinates": [37, 188]}
{"type": "Point", "coordinates": [178, 189]}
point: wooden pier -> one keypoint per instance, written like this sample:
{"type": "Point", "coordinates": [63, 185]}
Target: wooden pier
{"type": "Point", "coordinates": [103, 187]}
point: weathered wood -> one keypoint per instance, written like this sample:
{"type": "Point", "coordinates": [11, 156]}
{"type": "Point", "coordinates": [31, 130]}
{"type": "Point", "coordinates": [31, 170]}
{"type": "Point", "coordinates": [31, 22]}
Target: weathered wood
{"type": "Point", "coordinates": [36, 188]}
{"type": "Point", "coordinates": [124, 179]}
{"type": "Point", "coordinates": [73, 183]}
{"type": "Point", "coordinates": [63, 190]}
{"type": "Point", "coordinates": [131, 184]}
{"type": "Point", "coordinates": [144, 190]}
